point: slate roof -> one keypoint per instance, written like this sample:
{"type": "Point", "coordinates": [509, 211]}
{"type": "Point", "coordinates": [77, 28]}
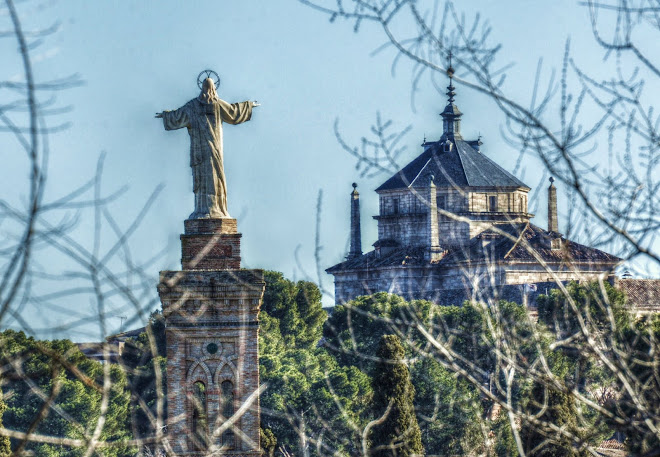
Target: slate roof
{"type": "Point", "coordinates": [514, 247]}
{"type": "Point", "coordinates": [407, 255]}
{"type": "Point", "coordinates": [501, 248]}
{"type": "Point", "coordinates": [462, 166]}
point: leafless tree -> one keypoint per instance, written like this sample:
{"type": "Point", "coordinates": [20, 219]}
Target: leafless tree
{"type": "Point", "coordinates": [45, 265]}
{"type": "Point", "coordinates": [552, 125]}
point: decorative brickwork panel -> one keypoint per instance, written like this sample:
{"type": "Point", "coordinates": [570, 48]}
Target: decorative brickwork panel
{"type": "Point", "coordinates": [211, 311]}
{"type": "Point", "coordinates": [211, 244]}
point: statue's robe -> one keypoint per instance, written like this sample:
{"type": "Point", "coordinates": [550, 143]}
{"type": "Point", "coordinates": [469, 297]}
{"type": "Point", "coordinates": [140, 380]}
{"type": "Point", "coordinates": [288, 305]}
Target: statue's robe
{"type": "Point", "coordinates": [204, 123]}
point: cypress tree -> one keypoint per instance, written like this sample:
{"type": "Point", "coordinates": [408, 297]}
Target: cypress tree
{"type": "Point", "coordinates": [398, 435]}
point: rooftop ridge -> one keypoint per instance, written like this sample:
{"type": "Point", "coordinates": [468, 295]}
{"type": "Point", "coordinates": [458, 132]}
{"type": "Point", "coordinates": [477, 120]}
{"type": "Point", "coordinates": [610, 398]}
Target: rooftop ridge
{"type": "Point", "coordinates": [460, 158]}
{"type": "Point", "coordinates": [421, 170]}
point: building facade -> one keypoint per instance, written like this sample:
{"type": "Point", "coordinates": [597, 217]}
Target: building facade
{"type": "Point", "coordinates": [452, 223]}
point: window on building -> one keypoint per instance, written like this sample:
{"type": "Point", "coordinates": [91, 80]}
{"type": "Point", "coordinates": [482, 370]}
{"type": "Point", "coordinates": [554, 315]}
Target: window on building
{"type": "Point", "coordinates": [395, 206]}
{"type": "Point", "coordinates": [199, 416]}
{"type": "Point", "coordinates": [442, 202]}
{"type": "Point", "coordinates": [492, 203]}
{"type": "Point", "coordinates": [227, 388]}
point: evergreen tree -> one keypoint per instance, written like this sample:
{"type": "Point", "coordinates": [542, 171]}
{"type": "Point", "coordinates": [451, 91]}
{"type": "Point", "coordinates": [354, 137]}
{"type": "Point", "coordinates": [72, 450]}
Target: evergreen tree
{"type": "Point", "coordinates": [398, 434]}
{"type": "Point", "coordinates": [448, 409]}
{"type": "Point", "coordinates": [354, 330]}
{"type": "Point", "coordinates": [305, 382]}
{"type": "Point", "coordinates": [558, 408]}
{"type": "Point", "coordinates": [5, 450]}
{"type": "Point", "coordinates": [642, 361]}
{"type": "Point", "coordinates": [268, 441]}
{"type": "Point", "coordinates": [297, 306]}
{"type": "Point", "coordinates": [59, 366]}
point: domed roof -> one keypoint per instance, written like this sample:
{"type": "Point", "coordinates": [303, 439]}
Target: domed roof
{"type": "Point", "coordinates": [456, 165]}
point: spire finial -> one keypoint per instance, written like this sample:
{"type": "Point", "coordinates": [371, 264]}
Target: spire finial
{"type": "Point", "coordinates": [451, 116]}
{"type": "Point", "coordinates": [356, 237]}
{"type": "Point", "coordinates": [450, 87]}
{"type": "Point", "coordinates": [552, 180]}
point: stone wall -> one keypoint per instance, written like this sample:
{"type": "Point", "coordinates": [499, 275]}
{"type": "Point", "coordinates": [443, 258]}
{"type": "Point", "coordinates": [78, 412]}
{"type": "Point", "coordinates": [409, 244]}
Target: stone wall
{"type": "Point", "coordinates": [532, 272]}
{"type": "Point", "coordinates": [404, 212]}
{"type": "Point", "coordinates": [415, 282]}
{"type": "Point", "coordinates": [510, 201]}
{"type": "Point", "coordinates": [408, 282]}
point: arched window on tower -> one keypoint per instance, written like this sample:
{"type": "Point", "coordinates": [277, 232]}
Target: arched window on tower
{"type": "Point", "coordinates": [199, 416]}
{"type": "Point", "coordinates": [227, 411]}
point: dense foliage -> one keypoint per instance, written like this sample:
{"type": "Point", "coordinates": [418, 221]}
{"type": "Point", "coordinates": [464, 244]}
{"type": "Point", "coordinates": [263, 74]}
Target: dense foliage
{"type": "Point", "coordinates": [448, 408]}
{"type": "Point", "coordinates": [475, 379]}
{"type": "Point", "coordinates": [52, 389]}
{"type": "Point", "coordinates": [312, 402]}
{"type": "Point", "coordinates": [5, 449]}
{"type": "Point", "coordinates": [612, 356]}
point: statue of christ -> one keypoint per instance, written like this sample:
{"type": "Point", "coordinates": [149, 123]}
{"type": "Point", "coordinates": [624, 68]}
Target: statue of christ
{"type": "Point", "coordinates": [203, 116]}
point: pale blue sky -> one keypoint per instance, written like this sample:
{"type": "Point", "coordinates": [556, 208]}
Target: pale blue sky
{"type": "Point", "coordinates": [137, 58]}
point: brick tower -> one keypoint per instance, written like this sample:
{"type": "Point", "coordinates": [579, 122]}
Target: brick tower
{"type": "Point", "coordinates": [211, 310]}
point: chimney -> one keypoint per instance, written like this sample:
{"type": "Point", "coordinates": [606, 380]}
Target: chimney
{"type": "Point", "coordinates": [552, 207]}
{"type": "Point", "coordinates": [434, 252]}
{"type": "Point", "coordinates": [356, 237]}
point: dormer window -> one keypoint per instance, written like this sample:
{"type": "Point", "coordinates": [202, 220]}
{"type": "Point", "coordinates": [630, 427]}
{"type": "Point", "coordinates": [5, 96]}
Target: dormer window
{"type": "Point", "coordinates": [446, 146]}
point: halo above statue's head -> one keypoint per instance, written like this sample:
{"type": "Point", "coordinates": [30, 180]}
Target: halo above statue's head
{"type": "Point", "coordinates": [208, 74]}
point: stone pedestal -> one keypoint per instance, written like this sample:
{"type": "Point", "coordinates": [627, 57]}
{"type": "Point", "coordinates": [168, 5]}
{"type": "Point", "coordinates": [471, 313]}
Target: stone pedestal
{"type": "Point", "coordinates": [211, 310]}
{"type": "Point", "coordinates": [211, 244]}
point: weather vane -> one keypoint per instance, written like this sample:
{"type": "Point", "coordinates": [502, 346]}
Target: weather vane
{"type": "Point", "coordinates": [208, 74]}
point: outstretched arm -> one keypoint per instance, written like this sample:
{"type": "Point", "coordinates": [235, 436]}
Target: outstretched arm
{"type": "Point", "coordinates": [176, 119]}
{"type": "Point", "coordinates": [236, 113]}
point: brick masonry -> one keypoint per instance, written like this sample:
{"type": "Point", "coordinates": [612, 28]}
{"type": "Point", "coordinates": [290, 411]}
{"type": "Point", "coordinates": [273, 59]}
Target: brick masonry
{"type": "Point", "coordinates": [211, 310]}
{"type": "Point", "coordinates": [211, 244]}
